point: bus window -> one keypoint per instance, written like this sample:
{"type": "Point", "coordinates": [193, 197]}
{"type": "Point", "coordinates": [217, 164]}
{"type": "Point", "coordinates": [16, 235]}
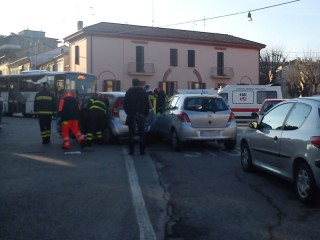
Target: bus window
{"type": "Point", "coordinates": [19, 90]}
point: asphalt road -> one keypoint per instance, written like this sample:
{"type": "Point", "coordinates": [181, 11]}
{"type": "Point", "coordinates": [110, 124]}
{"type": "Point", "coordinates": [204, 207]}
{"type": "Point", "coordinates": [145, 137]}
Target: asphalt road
{"type": "Point", "coordinates": [200, 193]}
{"type": "Point", "coordinates": [91, 193]}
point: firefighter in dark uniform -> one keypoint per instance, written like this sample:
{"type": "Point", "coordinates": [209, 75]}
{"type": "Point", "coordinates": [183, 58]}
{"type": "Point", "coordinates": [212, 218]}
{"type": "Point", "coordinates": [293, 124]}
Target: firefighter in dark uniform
{"type": "Point", "coordinates": [97, 110]}
{"type": "Point", "coordinates": [45, 108]}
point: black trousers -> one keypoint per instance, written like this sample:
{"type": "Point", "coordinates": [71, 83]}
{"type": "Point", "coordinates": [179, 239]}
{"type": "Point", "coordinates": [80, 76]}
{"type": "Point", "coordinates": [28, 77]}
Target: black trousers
{"type": "Point", "coordinates": [136, 122]}
{"type": "Point", "coordinates": [96, 124]}
{"type": "Point", "coordinates": [45, 126]}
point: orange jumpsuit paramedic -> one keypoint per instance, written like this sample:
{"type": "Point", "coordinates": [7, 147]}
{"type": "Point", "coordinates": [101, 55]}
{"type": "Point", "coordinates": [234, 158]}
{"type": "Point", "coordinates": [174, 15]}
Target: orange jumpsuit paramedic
{"type": "Point", "coordinates": [69, 112]}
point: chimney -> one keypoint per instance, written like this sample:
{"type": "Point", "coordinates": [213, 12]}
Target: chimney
{"type": "Point", "coordinates": [80, 25]}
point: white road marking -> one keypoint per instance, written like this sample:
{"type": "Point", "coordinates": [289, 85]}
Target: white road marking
{"type": "Point", "coordinates": [212, 153]}
{"type": "Point", "coordinates": [235, 152]}
{"type": "Point", "coordinates": [145, 227]}
{"type": "Point", "coordinates": [193, 154]}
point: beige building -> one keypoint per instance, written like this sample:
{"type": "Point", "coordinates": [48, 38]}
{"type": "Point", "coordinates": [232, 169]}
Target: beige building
{"type": "Point", "coordinates": [166, 58]}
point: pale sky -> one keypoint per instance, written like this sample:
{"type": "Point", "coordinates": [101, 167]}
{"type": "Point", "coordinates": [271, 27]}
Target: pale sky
{"type": "Point", "coordinates": [293, 27]}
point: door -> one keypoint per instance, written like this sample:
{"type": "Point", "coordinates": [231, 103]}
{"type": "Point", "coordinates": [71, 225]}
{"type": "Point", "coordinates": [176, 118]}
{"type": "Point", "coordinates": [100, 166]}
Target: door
{"type": "Point", "coordinates": [265, 141]}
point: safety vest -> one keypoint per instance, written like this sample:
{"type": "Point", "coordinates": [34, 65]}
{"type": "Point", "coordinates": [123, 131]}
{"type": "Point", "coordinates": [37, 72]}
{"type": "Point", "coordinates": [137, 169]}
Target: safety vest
{"type": "Point", "coordinates": [153, 100]}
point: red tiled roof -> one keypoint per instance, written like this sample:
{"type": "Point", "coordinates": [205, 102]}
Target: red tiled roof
{"type": "Point", "coordinates": [144, 32]}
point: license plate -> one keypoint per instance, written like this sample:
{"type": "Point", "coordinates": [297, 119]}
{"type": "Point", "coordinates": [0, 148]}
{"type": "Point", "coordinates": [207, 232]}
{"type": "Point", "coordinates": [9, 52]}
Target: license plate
{"type": "Point", "coordinates": [209, 133]}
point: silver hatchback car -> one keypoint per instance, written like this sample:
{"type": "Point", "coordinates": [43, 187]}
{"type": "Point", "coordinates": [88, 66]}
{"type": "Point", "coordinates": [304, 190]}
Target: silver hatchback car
{"type": "Point", "coordinates": [115, 122]}
{"type": "Point", "coordinates": [286, 142]}
{"type": "Point", "coordinates": [197, 117]}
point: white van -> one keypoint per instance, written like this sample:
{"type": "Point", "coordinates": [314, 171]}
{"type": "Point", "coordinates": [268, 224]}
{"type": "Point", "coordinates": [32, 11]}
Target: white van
{"type": "Point", "coordinates": [246, 99]}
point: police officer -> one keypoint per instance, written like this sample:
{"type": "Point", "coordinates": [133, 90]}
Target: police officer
{"type": "Point", "coordinates": [45, 108]}
{"type": "Point", "coordinates": [97, 110]}
{"type": "Point", "coordinates": [136, 105]}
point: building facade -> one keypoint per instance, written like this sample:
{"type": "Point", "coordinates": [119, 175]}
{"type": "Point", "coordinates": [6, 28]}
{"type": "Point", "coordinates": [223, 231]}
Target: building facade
{"type": "Point", "coordinates": [23, 51]}
{"type": "Point", "coordinates": [160, 57]}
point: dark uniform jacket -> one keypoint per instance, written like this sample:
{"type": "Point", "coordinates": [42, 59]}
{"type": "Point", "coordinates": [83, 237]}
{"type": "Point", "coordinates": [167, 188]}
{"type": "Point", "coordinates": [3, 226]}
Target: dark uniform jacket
{"type": "Point", "coordinates": [136, 101]}
{"type": "Point", "coordinates": [96, 103]}
{"type": "Point", "coordinates": [44, 103]}
{"type": "Point", "coordinates": [69, 108]}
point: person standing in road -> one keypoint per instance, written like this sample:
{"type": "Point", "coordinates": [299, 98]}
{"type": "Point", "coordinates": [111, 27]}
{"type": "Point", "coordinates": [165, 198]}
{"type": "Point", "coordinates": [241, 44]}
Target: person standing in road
{"type": "Point", "coordinates": [136, 105]}
{"type": "Point", "coordinates": [1, 109]}
{"type": "Point", "coordinates": [69, 113]}
{"type": "Point", "coordinates": [97, 110]}
{"type": "Point", "coordinates": [45, 108]}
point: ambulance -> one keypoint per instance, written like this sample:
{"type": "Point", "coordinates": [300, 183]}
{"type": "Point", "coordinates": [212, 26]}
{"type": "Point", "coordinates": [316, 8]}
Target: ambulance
{"type": "Point", "coordinates": [244, 99]}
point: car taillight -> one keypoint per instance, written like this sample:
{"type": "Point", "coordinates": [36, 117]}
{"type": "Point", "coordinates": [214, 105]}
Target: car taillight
{"type": "Point", "coordinates": [315, 140]}
{"type": "Point", "coordinates": [116, 108]}
{"type": "Point", "coordinates": [231, 117]}
{"type": "Point", "coordinates": [183, 117]}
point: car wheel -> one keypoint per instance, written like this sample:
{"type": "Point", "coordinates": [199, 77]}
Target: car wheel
{"type": "Point", "coordinates": [230, 144]}
{"type": "Point", "coordinates": [246, 160]}
{"type": "Point", "coordinates": [305, 183]}
{"type": "Point", "coordinates": [107, 135]}
{"type": "Point", "coordinates": [175, 142]}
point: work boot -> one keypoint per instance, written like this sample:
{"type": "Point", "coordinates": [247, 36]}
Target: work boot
{"type": "Point", "coordinates": [66, 147]}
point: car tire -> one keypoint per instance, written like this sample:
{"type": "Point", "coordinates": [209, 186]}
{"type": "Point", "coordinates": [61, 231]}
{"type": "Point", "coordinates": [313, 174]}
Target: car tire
{"type": "Point", "coordinates": [175, 141]}
{"type": "Point", "coordinates": [246, 159]}
{"type": "Point", "coordinates": [230, 144]}
{"type": "Point", "coordinates": [108, 136]}
{"type": "Point", "coordinates": [305, 184]}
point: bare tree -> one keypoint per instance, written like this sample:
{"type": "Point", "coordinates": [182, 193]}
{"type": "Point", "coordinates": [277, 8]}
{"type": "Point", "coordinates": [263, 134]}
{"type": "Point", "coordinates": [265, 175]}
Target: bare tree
{"type": "Point", "coordinates": [270, 62]}
{"type": "Point", "coordinates": [305, 75]}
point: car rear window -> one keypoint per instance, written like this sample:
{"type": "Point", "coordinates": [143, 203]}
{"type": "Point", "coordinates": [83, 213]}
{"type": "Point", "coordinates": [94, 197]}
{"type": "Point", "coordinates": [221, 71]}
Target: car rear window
{"type": "Point", "coordinates": [205, 104]}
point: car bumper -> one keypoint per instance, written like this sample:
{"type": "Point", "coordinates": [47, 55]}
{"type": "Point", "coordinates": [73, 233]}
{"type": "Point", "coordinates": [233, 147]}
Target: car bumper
{"type": "Point", "coordinates": [186, 133]}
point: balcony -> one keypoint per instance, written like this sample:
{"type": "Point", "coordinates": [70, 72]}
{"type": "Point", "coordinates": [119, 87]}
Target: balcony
{"type": "Point", "coordinates": [145, 69]}
{"type": "Point", "coordinates": [222, 72]}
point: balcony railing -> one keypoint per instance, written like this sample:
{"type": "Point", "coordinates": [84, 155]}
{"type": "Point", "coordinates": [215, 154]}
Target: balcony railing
{"type": "Point", "coordinates": [226, 72]}
{"type": "Point", "coordinates": [135, 68]}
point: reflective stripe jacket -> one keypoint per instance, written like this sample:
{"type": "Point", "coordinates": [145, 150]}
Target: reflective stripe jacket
{"type": "Point", "coordinates": [44, 103]}
{"type": "Point", "coordinates": [98, 104]}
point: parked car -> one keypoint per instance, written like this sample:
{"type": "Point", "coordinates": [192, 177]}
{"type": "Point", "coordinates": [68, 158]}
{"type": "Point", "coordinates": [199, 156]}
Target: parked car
{"type": "Point", "coordinates": [197, 117]}
{"type": "Point", "coordinates": [266, 106]}
{"type": "Point", "coordinates": [286, 142]}
{"type": "Point", "coordinates": [115, 122]}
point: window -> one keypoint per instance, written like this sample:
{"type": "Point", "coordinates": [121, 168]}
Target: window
{"type": "Point", "coordinates": [77, 55]}
{"type": "Point", "coordinates": [169, 87]}
{"type": "Point", "coordinates": [173, 57]}
{"type": "Point", "coordinates": [173, 102]}
{"type": "Point", "coordinates": [139, 58]}
{"type": "Point", "coordinates": [262, 95]}
{"type": "Point", "coordinates": [224, 96]}
{"type": "Point", "coordinates": [196, 85]}
{"type": "Point", "coordinates": [191, 58]}
{"type": "Point", "coordinates": [205, 104]}
{"type": "Point", "coordinates": [111, 85]}
{"type": "Point", "coordinates": [220, 64]}
{"type": "Point", "coordinates": [274, 119]}
{"type": "Point", "coordinates": [297, 116]}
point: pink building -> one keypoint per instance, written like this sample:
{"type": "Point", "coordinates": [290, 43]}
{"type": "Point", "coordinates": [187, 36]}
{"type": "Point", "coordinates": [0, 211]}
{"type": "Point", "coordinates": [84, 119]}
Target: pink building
{"type": "Point", "coordinates": [166, 58]}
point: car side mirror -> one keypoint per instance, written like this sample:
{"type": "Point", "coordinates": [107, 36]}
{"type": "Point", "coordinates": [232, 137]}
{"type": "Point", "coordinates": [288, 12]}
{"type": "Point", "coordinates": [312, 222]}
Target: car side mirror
{"type": "Point", "coordinates": [253, 125]}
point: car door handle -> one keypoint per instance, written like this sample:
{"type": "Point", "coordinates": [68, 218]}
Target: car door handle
{"type": "Point", "coordinates": [275, 138]}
